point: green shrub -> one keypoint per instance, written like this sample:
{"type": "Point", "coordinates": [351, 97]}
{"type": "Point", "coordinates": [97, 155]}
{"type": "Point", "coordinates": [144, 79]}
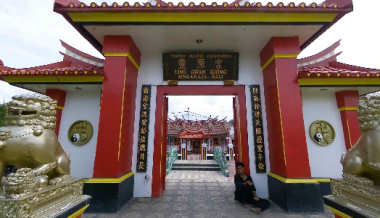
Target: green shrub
{"type": "Point", "coordinates": [2, 114]}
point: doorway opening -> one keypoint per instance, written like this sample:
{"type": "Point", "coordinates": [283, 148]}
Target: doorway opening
{"type": "Point", "coordinates": [198, 124]}
{"type": "Point", "coordinates": [194, 143]}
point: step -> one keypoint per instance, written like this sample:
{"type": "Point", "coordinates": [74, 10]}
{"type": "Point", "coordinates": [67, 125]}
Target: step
{"type": "Point", "coordinates": [190, 164]}
{"type": "Point", "coordinates": [202, 162]}
{"type": "Point", "coordinates": [196, 168]}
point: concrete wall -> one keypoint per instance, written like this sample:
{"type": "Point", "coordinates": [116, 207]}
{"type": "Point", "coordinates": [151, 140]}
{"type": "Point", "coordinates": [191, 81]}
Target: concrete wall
{"type": "Point", "coordinates": [143, 181]}
{"type": "Point", "coordinates": [82, 103]}
{"type": "Point", "coordinates": [320, 104]}
{"type": "Point", "coordinates": [151, 73]}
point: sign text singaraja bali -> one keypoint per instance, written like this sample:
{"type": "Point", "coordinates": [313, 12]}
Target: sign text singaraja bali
{"type": "Point", "coordinates": [201, 66]}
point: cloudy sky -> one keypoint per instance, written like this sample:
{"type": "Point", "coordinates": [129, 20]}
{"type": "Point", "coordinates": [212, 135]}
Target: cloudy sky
{"type": "Point", "coordinates": [30, 33]}
{"type": "Point", "coordinates": [205, 106]}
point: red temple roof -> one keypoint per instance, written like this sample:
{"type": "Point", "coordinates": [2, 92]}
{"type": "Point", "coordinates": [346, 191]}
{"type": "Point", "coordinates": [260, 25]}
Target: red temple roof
{"type": "Point", "coordinates": [81, 15]}
{"type": "Point", "coordinates": [75, 63]}
{"type": "Point", "coordinates": [337, 70]}
{"type": "Point", "coordinates": [187, 134]}
{"type": "Point", "coordinates": [323, 69]}
{"type": "Point", "coordinates": [59, 68]}
{"type": "Point", "coordinates": [209, 127]}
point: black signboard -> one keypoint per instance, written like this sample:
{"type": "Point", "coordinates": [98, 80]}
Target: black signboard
{"type": "Point", "coordinates": [201, 66]}
{"type": "Point", "coordinates": [258, 129]}
{"type": "Point", "coordinates": [143, 129]}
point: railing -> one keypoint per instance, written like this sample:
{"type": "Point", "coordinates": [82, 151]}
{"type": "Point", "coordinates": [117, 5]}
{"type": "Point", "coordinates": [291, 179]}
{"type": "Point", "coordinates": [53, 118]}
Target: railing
{"type": "Point", "coordinates": [221, 160]}
{"type": "Point", "coordinates": [170, 159]}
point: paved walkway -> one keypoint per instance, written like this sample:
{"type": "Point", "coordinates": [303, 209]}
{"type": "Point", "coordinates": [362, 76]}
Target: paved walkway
{"type": "Point", "coordinates": [197, 194]}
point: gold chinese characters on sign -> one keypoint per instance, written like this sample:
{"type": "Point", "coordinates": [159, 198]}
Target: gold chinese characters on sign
{"type": "Point", "coordinates": [80, 132]}
{"type": "Point", "coordinates": [321, 132]}
{"type": "Point", "coordinates": [143, 129]}
{"type": "Point", "coordinates": [201, 66]}
{"type": "Point", "coordinates": [258, 129]}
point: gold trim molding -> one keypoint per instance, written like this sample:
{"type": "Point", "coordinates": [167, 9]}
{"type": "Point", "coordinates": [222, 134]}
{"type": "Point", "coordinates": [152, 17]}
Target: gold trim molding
{"type": "Point", "coordinates": [110, 180]}
{"type": "Point", "coordinates": [53, 79]}
{"type": "Point", "coordinates": [348, 108]}
{"type": "Point", "coordinates": [269, 61]}
{"type": "Point", "coordinates": [338, 212]}
{"type": "Point", "coordinates": [339, 81]}
{"type": "Point", "coordinates": [122, 54]}
{"type": "Point", "coordinates": [288, 180]}
{"type": "Point", "coordinates": [79, 212]}
{"type": "Point", "coordinates": [167, 16]}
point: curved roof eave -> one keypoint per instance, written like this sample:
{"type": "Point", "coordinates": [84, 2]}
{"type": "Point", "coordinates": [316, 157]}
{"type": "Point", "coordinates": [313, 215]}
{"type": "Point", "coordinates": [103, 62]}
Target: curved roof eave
{"type": "Point", "coordinates": [78, 13]}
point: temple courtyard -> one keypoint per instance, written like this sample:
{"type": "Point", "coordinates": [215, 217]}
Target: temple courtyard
{"type": "Point", "coordinates": [197, 194]}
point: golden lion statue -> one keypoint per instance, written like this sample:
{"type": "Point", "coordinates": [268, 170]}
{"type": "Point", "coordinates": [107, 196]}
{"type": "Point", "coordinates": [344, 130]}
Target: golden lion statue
{"type": "Point", "coordinates": [359, 190]}
{"type": "Point", "coordinates": [363, 159]}
{"type": "Point", "coordinates": [28, 142]}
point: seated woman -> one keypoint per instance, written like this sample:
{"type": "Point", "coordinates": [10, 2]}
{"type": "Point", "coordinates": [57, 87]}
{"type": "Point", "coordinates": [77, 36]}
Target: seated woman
{"type": "Point", "coordinates": [245, 191]}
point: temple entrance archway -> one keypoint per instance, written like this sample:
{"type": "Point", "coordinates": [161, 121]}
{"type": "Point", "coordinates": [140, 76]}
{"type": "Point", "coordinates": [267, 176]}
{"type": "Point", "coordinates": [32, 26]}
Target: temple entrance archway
{"type": "Point", "coordinates": [160, 133]}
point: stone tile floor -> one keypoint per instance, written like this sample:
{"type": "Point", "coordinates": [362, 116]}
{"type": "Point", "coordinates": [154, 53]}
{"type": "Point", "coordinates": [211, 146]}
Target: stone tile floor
{"type": "Point", "coordinates": [197, 194]}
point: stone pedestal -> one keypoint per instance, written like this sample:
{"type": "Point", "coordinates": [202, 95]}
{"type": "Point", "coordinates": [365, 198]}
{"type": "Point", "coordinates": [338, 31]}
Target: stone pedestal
{"type": "Point", "coordinates": [62, 200]}
{"type": "Point", "coordinates": [354, 197]}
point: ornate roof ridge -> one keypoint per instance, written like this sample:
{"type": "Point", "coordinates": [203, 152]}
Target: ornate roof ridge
{"type": "Point", "coordinates": [67, 67]}
{"type": "Point", "coordinates": [59, 64]}
{"type": "Point", "coordinates": [338, 64]}
{"type": "Point", "coordinates": [210, 126]}
{"type": "Point", "coordinates": [321, 58]}
{"type": "Point", "coordinates": [337, 69]}
{"type": "Point", "coordinates": [65, 71]}
{"type": "Point", "coordinates": [75, 4]}
{"type": "Point", "coordinates": [80, 53]}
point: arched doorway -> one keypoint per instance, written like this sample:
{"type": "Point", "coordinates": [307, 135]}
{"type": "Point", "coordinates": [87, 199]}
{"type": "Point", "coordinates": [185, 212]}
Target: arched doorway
{"type": "Point", "coordinates": [159, 156]}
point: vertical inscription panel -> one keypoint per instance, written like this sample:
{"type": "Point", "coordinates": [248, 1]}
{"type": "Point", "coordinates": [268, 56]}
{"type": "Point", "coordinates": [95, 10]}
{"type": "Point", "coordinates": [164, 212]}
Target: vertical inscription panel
{"type": "Point", "coordinates": [258, 129]}
{"type": "Point", "coordinates": [143, 129]}
{"type": "Point", "coordinates": [201, 66]}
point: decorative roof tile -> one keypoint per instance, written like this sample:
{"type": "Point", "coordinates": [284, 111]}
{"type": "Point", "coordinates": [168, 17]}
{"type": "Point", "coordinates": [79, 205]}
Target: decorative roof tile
{"type": "Point", "coordinates": [240, 5]}
{"type": "Point", "coordinates": [74, 63]}
{"type": "Point", "coordinates": [51, 70]}
{"type": "Point", "coordinates": [337, 70]}
{"type": "Point", "coordinates": [210, 127]}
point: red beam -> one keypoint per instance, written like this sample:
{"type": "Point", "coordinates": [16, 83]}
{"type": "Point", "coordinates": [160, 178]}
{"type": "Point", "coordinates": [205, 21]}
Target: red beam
{"type": "Point", "coordinates": [60, 97]}
{"type": "Point", "coordinates": [347, 102]}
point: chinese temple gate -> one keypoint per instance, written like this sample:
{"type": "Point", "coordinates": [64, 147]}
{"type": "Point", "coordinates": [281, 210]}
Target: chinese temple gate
{"type": "Point", "coordinates": [293, 117]}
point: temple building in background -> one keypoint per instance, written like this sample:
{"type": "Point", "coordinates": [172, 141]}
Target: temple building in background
{"type": "Point", "coordinates": [193, 135]}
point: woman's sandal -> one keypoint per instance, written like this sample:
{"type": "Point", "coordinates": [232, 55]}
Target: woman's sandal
{"type": "Point", "coordinates": [256, 210]}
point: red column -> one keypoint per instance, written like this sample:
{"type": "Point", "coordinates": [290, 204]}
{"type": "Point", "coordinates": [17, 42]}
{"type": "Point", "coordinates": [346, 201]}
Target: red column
{"type": "Point", "coordinates": [347, 102]}
{"type": "Point", "coordinates": [286, 132]}
{"type": "Point", "coordinates": [117, 108]}
{"type": "Point", "coordinates": [60, 97]}
{"type": "Point", "coordinates": [164, 137]}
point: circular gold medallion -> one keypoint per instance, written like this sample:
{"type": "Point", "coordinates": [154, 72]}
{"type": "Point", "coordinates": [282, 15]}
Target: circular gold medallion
{"type": "Point", "coordinates": [322, 132]}
{"type": "Point", "coordinates": [80, 132]}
